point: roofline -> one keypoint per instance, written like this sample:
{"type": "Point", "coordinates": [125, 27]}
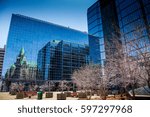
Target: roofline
{"type": "Point", "coordinates": [86, 45]}
{"type": "Point", "coordinates": [46, 22]}
{"type": "Point", "coordinates": [92, 5]}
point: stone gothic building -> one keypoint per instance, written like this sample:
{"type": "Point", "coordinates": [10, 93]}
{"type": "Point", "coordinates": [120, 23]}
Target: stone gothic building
{"type": "Point", "coordinates": [21, 69]}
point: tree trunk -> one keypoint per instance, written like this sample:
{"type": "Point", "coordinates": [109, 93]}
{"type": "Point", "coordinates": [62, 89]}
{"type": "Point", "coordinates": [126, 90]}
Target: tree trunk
{"type": "Point", "coordinates": [90, 95]}
{"type": "Point", "coordinates": [133, 93]}
{"type": "Point", "coordinates": [148, 82]}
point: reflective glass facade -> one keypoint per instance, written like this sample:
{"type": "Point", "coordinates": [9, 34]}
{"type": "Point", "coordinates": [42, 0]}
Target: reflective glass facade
{"type": "Point", "coordinates": [58, 59]}
{"type": "Point", "coordinates": [32, 34]}
{"type": "Point", "coordinates": [102, 18]}
{"type": "Point", "coordinates": [95, 28]}
{"type": "Point", "coordinates": [120, 18]}
{"type": "Point", "coordinates": [94, 45]}
{"type": "Point", "coordinates": [134, 16]}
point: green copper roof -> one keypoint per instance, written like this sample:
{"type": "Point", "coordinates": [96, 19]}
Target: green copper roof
{"type": "Point", "coordinates": [22, 51]}
{"type": "Point", "coordinates": [13, 66]}
{"type": "Point", "coordinates": [32, 64]}
{"type": "Point", "coordinates": [24, 59]}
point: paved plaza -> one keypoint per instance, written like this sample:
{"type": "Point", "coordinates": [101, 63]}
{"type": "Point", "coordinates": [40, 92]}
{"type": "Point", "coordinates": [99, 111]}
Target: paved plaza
{"type": "Point", "coordinates": [7, 96]}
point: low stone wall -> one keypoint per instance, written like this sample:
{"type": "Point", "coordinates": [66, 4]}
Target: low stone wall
{"type": "Point", "coordinates": [142, 97]}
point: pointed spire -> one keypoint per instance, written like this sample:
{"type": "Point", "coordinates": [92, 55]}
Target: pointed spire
{"type": "Point", "coordinates": [13, 66]}
{"type": "Point", "coordinates": [22, 51]}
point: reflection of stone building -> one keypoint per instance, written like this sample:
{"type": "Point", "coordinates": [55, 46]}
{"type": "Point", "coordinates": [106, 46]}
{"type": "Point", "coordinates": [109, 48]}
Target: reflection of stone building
{"type": "Point", "coordinates": [32, 70]}
{"type": "Point", "coordinates": [22, 70]}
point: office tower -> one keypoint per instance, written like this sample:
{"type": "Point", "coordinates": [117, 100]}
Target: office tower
{"type": "Point", "coordinates": [94, 51]}
{"type": "Point", "coordinates": [134, 23]}
{"type": "Point", "coordinates": [2, 52]}
{"type": "Point", "coordinates": [57, 60]}
{"type": "Point", "coordinates": [102, 22]}
{"type": "Point", "coordinates": [95, 29]}
{"type": "Point", "coordinates": [32, 34]}
{"type": "Point", "coordinates": [120, 19]}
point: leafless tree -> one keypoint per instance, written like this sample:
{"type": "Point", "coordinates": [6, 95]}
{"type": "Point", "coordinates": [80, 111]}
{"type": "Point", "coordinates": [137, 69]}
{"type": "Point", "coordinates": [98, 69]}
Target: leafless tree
{"type": "Point", "coordinates": [115, 65]}
{"type": "Point", "coordinates": [141, 48]}
{"type": "Point", "coordinates": [128, 59]}
{"type": "Point", "coordinates": [62, 85]}
{"type": "Point", "coordinates": [49, 85]}
{"type": "Point", "coordinates": [127, 65]}
{"type": "Point", "coordinates": [90, 78]}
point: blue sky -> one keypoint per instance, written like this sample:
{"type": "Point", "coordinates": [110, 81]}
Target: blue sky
{"type": "Point", "coordinates": [70, 13]}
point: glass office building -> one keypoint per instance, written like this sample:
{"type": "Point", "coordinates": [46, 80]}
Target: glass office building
{"type": "Point", "coordinates": [95, 29]}
{"type": "Point", "coordinates": [102, 18]}
{"type": "Point", "coordinates": [134, 23]}
{"type": "Point", "coordinates": [121, 18]}
{"type": "Point", "coordinates": [32, 34]}
{"type": "Point", "coordinates": [94, 49]}
{"type": "Point", "coordinates": [57, 60]}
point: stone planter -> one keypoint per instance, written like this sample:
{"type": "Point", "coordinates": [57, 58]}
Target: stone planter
{"type": "Point", "coordinates": [103, 97]}
{"type": "Point", "coordinates": [13, 92]}
{"type": "Point", "coordinates": [20, 95]}
{"type": "Point", "coordinates": [90, 93]}
{"type": "Point", "coordinates": [82, 95]}
{"type": "Point", "coordinates": [98, 93]}
{"type": "Point", "coordinates": [122, 98]}
{"type": "Point", "coordinates": [48, 95]}
{"type": "Point", "coordinates": [61, 96]}
{"type": "Point", "coordinates": [68, 94]}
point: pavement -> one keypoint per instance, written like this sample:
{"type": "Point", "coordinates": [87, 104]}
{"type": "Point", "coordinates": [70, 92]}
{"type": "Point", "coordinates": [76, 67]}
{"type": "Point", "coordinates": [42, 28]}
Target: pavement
{"type": "Point", "coordinates": [7, 96]}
